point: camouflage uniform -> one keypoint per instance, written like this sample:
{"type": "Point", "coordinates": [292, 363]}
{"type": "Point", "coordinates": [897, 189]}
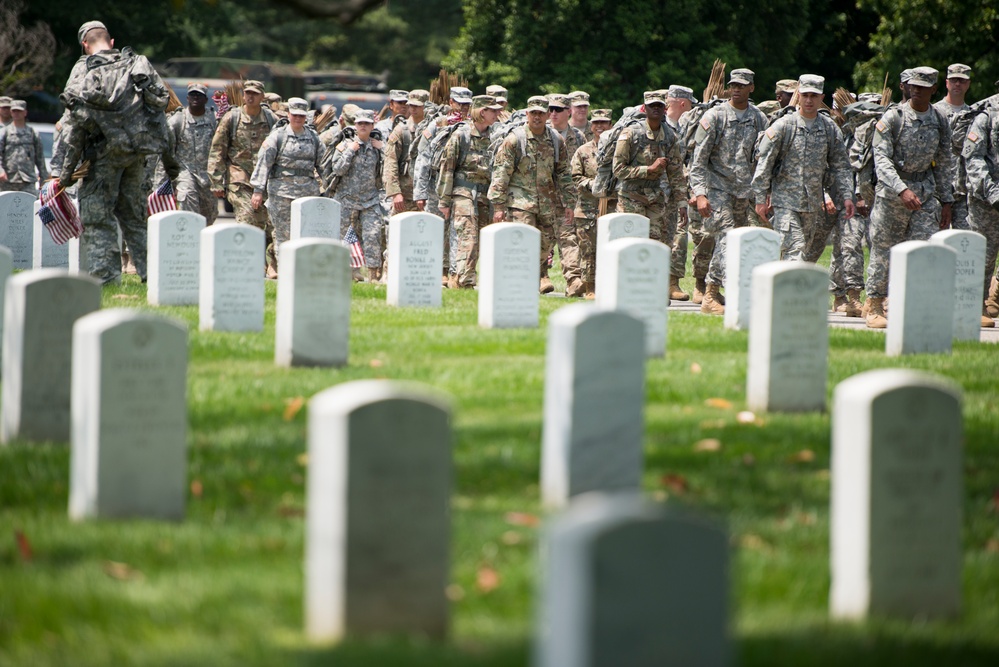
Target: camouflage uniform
{"type": "Point", "coordinates": [424, 186]}
{"type": "Point", "coordinates": [981, 158]}
{"type": "Point", "coordinates": [583, 166]}
{"type": "Point", "coordinates": [704, 243]}
{"type": "Point", "coordinates": [22, 159]}
{"type": "Point", "coordinates": [533, 185]}
{"type": "Point", "coordinates": [192, 138]}
{"type": "Point", "coordinates": [359, 171]}
{"type": "Point", "coordinates": [959, 209]}
{"type": "Point", "coordinates": [567, 242]}
{"type": "Point", "coordinates": [909, 153]}
{"type": "Point", "coordinates": [395, 170]}
{"type": "Point", "coordinates": [721, 169]}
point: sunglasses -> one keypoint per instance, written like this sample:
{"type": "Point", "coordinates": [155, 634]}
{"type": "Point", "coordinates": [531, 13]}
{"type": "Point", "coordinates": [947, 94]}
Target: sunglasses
{"type": "Point", "coordinates": [556, 109]}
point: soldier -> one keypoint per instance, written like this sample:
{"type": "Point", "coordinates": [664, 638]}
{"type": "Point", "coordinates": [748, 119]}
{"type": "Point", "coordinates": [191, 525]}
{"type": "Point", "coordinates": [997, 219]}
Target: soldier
{"type": "Point", "coordinates": [583, 166]}
{"type": "Point", "coordinates": [398, 106]}
{"type": "Point", "coordinates": [395, 172]}
{"type": "Point", "coordinates": [913, 159]}
{"type": "Point", "coordinates": [5, 116]}
{"type": "Point", "coordinates": [332, 136]}
{"type": "Point", "coordinates": [192, 130]}
{"type": "Point", "coordinates": [22, 158]}
{"type": "Point", "coordinates": [981, 159]}
{"type": "Point", "coordinates": [501, 94]}
{"type": "Point", "coordinates": [721, 172]}
{"type": "Point", "coordinates": [286, 170]}
{"type": "Point", "coordinates": [357, 165]}
{"type": "Point", "coordinates": [233, 156]}
{"type": "Point", "coordinates": [579, 109]}
{"type": "Point", "coordinates": [958, 81]}
{"type": "Point", "coordinates": [785, 91]}
{"type": "Point", "coordinates": [679, 100]}
{"type": "Point", "coordinates": [797, 153]}
{"type": "Point", "coordinates": [568, 246]}
{"type": "Point", "coordinates": [464, 182]}
{"type": "Point", "coordinates": [531, 182]}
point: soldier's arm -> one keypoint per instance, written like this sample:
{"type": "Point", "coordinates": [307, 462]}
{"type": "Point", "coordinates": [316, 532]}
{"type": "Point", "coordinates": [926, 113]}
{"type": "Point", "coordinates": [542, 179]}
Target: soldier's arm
{"type": "Point", "coordinates": [839, 166]}
{"type": "Point", "coordinates": [704, 143]}
{"type": "Point", "coordinates": [449, 162]}
{"type": "Point", "coordinates": [563, 177]}
{"type": "Point", "coordinates": [884, 151]}
{"type": "Point", "coordinates": [218, 154]}
{"type": "Point", "coordinates": [3, 152]}
{"type": "Point", "coordinates": [390, 165]}
{"type": "Point", "coordinates": [421, 169]}
{"type": "Point", "coordinates": [502, 171]}
{"type": "Point", "coordinates": [342, 158]}
{"type": "Point", "coordinates": [43, 171]}
{"type": "Point", "coordinates": [578, 171]}
{"type": "Point", "coordinates": [975, 154]}
{"type": "Point", "coordinates": [622, 159]}
{"type": "Point", "coordinates": [74, 140]}
{"type": "Point", "coordinates": [770, 147]}
{"type": "Point", "coordinates": [265, 160]}
{"type": "Point", "coordinates": [675, 176]}
{"type": "Point", "coordinates": [943, 165]}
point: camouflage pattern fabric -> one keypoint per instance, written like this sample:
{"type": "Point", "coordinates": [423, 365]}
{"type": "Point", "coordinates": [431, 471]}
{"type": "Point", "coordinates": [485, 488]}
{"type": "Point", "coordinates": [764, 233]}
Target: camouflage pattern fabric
{"type": "Point", "coordinates": [583, 167]}
{"type": "Point", "coordinates": [367, 223]}
{"type": "Point", "coordinates": [466, 167]}
{"type": "Point", "coordinates": [981, 157]}
{"type": "Point", "coordinates": [568, 244]}
{"type": "Point", "coordinates": [358, 194]}
{"type": "Point", "coordinates": [728, 212]}
{"type": "Point", "coordinates": [959, 210]}
{"type": "Point", "coordinates": [192, 140]}
{"type": "Point", "coordinates": [541, 182]}
{"type": "Point", "coordinates": [286, 174]}
{"type": "Point", "coordinates": [236, 159]}
{"type": "Point", "coordinates": [395, 170]}
{"type": "Point", "coordinates": [22, 159]}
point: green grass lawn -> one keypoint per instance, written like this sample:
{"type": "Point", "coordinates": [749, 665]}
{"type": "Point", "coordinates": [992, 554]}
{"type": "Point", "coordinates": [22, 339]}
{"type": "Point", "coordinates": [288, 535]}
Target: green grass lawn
{"type": "Point", "coordinates": [224, 587]}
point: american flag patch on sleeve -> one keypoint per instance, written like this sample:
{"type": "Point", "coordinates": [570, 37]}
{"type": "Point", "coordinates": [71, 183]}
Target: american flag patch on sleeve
{"type": "Point", "coordinates": [881, 126]}
{"type": "Point", "coordinates": [972, 136]}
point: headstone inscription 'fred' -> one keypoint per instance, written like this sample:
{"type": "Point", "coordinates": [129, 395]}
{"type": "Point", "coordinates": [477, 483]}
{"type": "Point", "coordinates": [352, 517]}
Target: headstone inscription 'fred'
{"type": "Point", "coordinates": [378, 525]}
{"type": "Point", "coordinates": [788, 338]}
{"type": "Point", "coordinates": [415, 259]}
{"type": "Point", "coordinates": [896, 496]}
{"type": "Point", "coordinates": [747, 248]}
{"type": "Point", "coordinates": [129, 409]}
{"type": "Point", "coordinates": [629, 583]}
{"type": "Point", "coordinates": [969, 280]}
{"type": "Point", "coordinates": [40, 308]}
{"type": "Point", "coordinates": [16, 226]}
{"type": "Point", "coordinates": [617, 226]}
{"type": "Point", "coordinates": [313, 303]}
{"type": "Point", "coordinates": [45, 253]}
{"type": "Point", "coordinates": [174, 258]}
{"type": "Point", "coordinates": [921, 293]}
{"type": "Point", "coordinates": [508, 276]}
{"type": "Point", "coordinates": [231, 289]}
{"type": "Point", "coordinates": [315, 218]}
{"type": "Point", "coordinates": [594, 394]}
{"type": "Point", "coordinates": [636, 273]}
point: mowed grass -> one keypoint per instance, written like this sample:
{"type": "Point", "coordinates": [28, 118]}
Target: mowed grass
{"type": "Point", "coordinates": [225, 586]}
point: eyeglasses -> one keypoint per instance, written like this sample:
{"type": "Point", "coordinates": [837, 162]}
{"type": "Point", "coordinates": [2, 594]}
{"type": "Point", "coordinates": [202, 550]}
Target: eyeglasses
{"type": "Point", "coordinates": [556, 109]}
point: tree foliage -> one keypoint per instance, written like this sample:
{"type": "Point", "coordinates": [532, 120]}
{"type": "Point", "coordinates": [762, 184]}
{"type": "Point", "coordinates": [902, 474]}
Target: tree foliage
{"type": "Point", "coordinates": [26, 51]}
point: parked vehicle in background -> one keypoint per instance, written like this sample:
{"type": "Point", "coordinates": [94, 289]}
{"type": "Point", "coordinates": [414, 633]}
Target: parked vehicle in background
{"type": "Point", "coordinates": [46, 131]}
{"type": "Point", "coordinates": [285, 80]}
{"type": "Point", "coordinates": [340, 87]}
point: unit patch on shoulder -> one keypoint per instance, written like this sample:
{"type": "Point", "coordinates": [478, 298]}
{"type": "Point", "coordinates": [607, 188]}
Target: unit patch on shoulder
{"type": "Point", "coordinates": [972, 136]}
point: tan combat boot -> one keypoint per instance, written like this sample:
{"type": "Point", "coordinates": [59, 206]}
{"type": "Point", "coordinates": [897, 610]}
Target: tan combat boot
{"type": "Point", "coordinates": [839, 304]}
{"type": "Point", "coordinates": [452, 282]}
{"type": "Point", "coordinates": [675, 293]}
{"type": "Point", "coordinates": [711, 304]}
{"type": "Point", "coordinates": [853, 308]}
{"type": "Point", "coordinates": [987, 322]}
{"type": "Point", "coordinates": [992, 303]}
{"type": "Point", "coordinates": [545, 286]}
{"type": "Point", "coordinates": [699, 290]}
{"type": "Point", "coordinates": [575, 288]}
{"type": "Point", "coordinates": [374, 275]}
{"type": "Point", "coordinates": [876, 318]}
{"type": "Point", "coordinates": [590, 291]}
{"type": "Point", "coordinates": [355, 275]}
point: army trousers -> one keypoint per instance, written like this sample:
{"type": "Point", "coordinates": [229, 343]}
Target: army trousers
{"type": "Point", "coordinates": [959, 211]}
{"type": "Point", "coordinates": [196, 197]}
{"type": "Point", "coordinates": [239, 195]}
{"type": "Point", "coordinates": [891, 224]}
{"type": "Point", "coordinates": [727, 212]}
{"type": "Point", "coordinates": [984, 219]}
{"type": "Point", "coordinates": [468, 216]}
{"type": "Point", "coordinates": [279, 198]}
{"type": "Point", "coordinates": [7, 186]}
{"type": "Point", "coordinates": [796, 228]}
{"type": "Point", "coordinates": [111, 197]}
{"type": "Point", "coordinates": [662, 227]}
{"type": "Point", "coordinates": [544, 223]}
{"type": "Point", "coordinates": [586, 237]}
{"type": "Point", "coordinates": [367, 223]}
{"type": "Point", "coordinates": [704, 246]}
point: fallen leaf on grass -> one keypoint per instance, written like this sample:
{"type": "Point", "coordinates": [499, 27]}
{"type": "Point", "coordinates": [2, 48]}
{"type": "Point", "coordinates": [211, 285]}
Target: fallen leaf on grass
{"type": "Point", "coordinates": [121, 571]}
{"type": "Point", "coordinates": [745, 417]}
{"type": "Point", "coordinates": [713, 423]}
{"type": "Point", "coordinates": [197, 488]}
{"type": "Point", "coordinates": [822, 474]}
{"type": "Point", "coordinates": [748, 460]}
{"type": "Point", "coordinates": [675, 483]}
{"type": "Point", "coordinates": [376, 363]}
{"type": "Point", "coordinates": [23, 546]}
{"type": "Point", "coordinates": [289, 511]}
{"type": "Point", "coordinates": [695, 368]}
{"type": "Point", "coordinates": [804, 456]}
{"type": "Point", "coordinates": [755, 543]}
{"type": "Point", "coordinates": [720, 403]}
{"type": "Point", "coordinates": [522, 519]}
{"type": "Point", "coordinates": [292, 406]}
{"type": "Point", "coordinates": [708, 445]}
{"type": "Point", "coordinates": [487, 579]}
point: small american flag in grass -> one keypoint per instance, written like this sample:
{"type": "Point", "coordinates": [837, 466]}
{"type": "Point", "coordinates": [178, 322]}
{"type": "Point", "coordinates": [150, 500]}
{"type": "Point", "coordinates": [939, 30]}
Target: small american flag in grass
{"type": "Point", "coordinates": [58, 213]}
{"type": "Point", "coordinates": [162, 199]}
{"type": "Point", "coordinates": [354, 243]}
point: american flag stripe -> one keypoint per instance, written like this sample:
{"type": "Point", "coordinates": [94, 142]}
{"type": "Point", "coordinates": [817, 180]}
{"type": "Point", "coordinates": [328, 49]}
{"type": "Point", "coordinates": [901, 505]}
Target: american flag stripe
{"type": "Point", "coordinates": [162, 199]}
{"type": "Point", "coordinates": [58, 213]}
{"type": "Point", "coordinates": [356, 252]}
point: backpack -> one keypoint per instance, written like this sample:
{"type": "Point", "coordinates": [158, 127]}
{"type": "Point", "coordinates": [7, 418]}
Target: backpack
{"type": "Point", "coordinates": [691, 120]}
{"type": "Point", "coordinates": [604, 183]}
{"type": "Point", "coordinates": [272, 120]}
{"type": "Point", "coordinates": [500, 131]}
{"type": "Point", "coordinates": [282, 128]}
{"type": "Point", "coordinates": [439, 143]}
{"type": "Point", "coordinates": [521, 134]}
{"type": "Point", "coordinates": [121, 99]}
{"type": "Point", "coordinates": [348, 133]}
{"type": "Point", "coordinates": [860, 120]}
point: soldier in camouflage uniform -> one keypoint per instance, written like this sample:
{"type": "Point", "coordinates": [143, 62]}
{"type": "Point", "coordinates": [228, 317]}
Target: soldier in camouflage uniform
{"type": "Point", "coordinates": [233, 155]}
{"type": "Point", "coordinates": [981, 159]}
{"type": "Point", "coordinates": [286, 170]}
{"type": "Point", "coordinates": [531, 182]}
{"type": "Point", "coordinates": [958, 82]}
{"type": "Point", "coordinates": [679, 100]}
{"type": "Point", "coordinates": [5, 116]}
{"type": "Point", "coordinates": [501, 94]}
{"type": "Point", "coordinates": [784, 91]}
{"type": "Point", "coordinates": [398, 106]}
{"type": "Point", "coordinates": [568, 246]}
{"type": "Point", "coordinates": [395, 172]}
{"type": "Point", "coordinates": [357, 165]}
{"type": "Point", "coordinates": [913, 158]}
{"type": "Point", "coordinates": [331, 137]}
{"type": "Point", "coordinates": [22, 160]}
{"type": "Point", "coordinates": [721, 171]}
{"type": "Point", "coordinates": [192, 129]}
{"type": "Point", "coordinates": [583, 166]}
{"type": "Point", "coordinates": [464, 182]}
{"type": "Point", "coordinates": [580, 107]}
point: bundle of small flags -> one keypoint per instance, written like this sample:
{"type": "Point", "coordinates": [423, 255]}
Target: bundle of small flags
{"type": "Point", "coordinates": [58, 213]}
{"type": "Point", "coordinates": [162, 199]}
{"type": "Point", "coordinates": [221, 103]}
{"type": "Point", "coordinates": [356, 253]}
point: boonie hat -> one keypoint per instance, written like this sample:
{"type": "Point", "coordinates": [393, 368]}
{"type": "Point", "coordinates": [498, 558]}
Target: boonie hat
{"type": "Point", "coordinates": [811, 83]}
{"type": "Point", "coordinates": [743, 76]}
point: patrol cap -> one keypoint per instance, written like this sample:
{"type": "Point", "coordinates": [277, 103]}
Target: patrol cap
{"type": "Point", "coordinates": [5, 101]}
{"type": "Point", "coordinates": [905, 76]}
{"type": "Point", "coordinates": [786, 86]}
{"type": "Point", "coordinates": [297, 106]}
{"type": "Point", "coordinates": [197, 88]}
{"type": "Point", "coordinates": [537, 103]}
{"type": "Point", "coordinates": [485, 102]}
{"type": "Point", "coordinates": [273, 99]}
{"type": "Point", "coordinates": [924, 76]}
{"type": "Point", "coordinates": [599, 115]}
{"type": "Point", "coordinates": [743, 76]}
{"type": "Point", "coordinates": [461, 95]}
{"type": "Point", "coordinates": [958, 71]}
{"type": "Point", "coordinates": [399, 95]}
{"type": "Point", "coordinates": [499, 92]}
{"type": "Point", "coordinates": [253, 86]}
{"type": "Point", "coordinates": [87, 27]}
{"type": "Point", "coordinates": [579, 98]}
{"type": "Point", "coordinates": [418, 97]}
{"type": "Point", "coordinates": [811, 83]}
{"type": "Point", "coordinates": [364, 116]}
{"type": "Point", "coordinates": [680, 93]}
{"type": "Point", "coordinates": [18, 105]}
{"type": "Point", "coordinates": [349, 113]}
{"type": "Point", "coordinates": [768, 106]}
{"type": "Point", "coordinates": [558, 100]}
{"type": "Point", "coordinates": [655, 97]}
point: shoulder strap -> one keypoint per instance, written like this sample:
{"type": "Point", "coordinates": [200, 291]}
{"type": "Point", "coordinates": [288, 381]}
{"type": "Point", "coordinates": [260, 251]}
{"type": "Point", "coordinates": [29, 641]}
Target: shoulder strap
{"type": "Point", "coordinates": [233, 117]}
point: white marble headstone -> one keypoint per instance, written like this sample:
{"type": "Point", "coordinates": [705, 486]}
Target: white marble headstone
{"type": "Point", "coordinates": [129, 407]}
{"type": "Point", "coordinates": [231, 286]}
{"type": "Point", "coordinates": [921, 294]}
{"type": "Point", "coordinates": [6, 270]}
{"type": "Point", "coordinates": [16, 226]}
{"type": "Point", "coordinates": [415, 259]}
{"type": "Point", "coordinates": [616, 226]}
{"type": "Point", "coordinates": [896, 496]}
{"type": "Point", "coordinates": [969, 280]}
{"type": "Point", "coordinates": [77, 250]}
{"type": "Point", "coordinates": [636, 281]}
{"type": "Point", "coordinates": [629, 583]}
{"type": "Point", "coordinates": [509, 255]}
{"type": "Point", "coordinates": [594, 396]}
{"type": "Point", "coordinates": [747, 248]}
{"type": "Point", "coordinates": [313, 303]}
{"type": "Point", "coordinates": [40, 308]}
{"type": "Point", "coordinates": [315, 217]}
{"type": "Point", "coordinates": [173, 258]}
{"type": "Point", "coordinates": [46, 253]}
{"type": "Point", "coordinates": [788, 338]}
{"type": "Point", "coordinates": [378, 526]}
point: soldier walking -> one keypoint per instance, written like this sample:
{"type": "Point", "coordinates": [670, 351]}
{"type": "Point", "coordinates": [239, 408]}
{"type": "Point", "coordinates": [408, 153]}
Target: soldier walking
{"type": "Point", "coordinates": [192, 130]}
{"type": "Point", "coordinates": [22, 158]}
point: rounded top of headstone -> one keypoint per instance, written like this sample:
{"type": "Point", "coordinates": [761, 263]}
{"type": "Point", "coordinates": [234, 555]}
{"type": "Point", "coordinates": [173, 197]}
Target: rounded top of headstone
{"type": "Point", "coordinates": [512, 229]}
{"type": "Point", "coordinates": [770, 269]}
{"type": "Point", "coordinates": [102, 320]}
{"type": "Point", "coordinates": [349, 396]}
{"type": "Point", "coordinates": [577, 313]}
{"type": "Point", "coordinates": [868, 385]}
{"type": "Point", "coordinates": [41, 275]}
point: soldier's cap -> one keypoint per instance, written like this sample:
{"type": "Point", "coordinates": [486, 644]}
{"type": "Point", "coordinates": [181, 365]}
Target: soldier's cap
{"type": "Point", "coordinates": [786, 86]}
{"type": "Point", "coordinates": [743, 76]}
{"type": "Point", "coordinates": [869, 97]}
{"type": "Point", "coordinates": [461, 95]}
{"type": "Point", "coordinates": [924, 76]}
{"type": "Point", "coordinates": [654, 97]}
{"type": "Point", "coordinates": [497, 91]}
{"type": "Point", "coordinates": [273, 98]}
{"type": "Point", "coordinates": [399, 95]}
{"type": "Point", "coordinates": [537, 103]}
{"type": "Point", "coordinates": [18, 105]}
{"type": "Point", "coordinates": [680, 93]}
{"type": "Point", "coordinates": [485, 102]}
{"type": "Point", "coordinates": [418, 98]}
{"type": "Point", "coordinates": [579, 98]}
{"type": "Point", "coordinates": [905, 76]}
{"type": "Point", "coordinates": [253, 86]}
{"type": "Point", "coordinates": [5, 101]}
{"type": "Point", "coordinates": [350, 112]}
{"type": "Point", "coordinates": [600, 115]}
{"type": "Point", "coordinates": [811, 83]}
{"type": "Point", "coordinates": [958, 71]}
{"type": "Point", "coordinates": [558, 100]}
{"type": "Point", "coordinates": [195, 87]}
{"type": "Point", "coordinates": [297, 106]}
{"type": "Point", "coordinates": [364, 116]}
{"type": "Point", "coordinates": [768, 106]}
{"type": "Point", "coordinates": [87, 27]}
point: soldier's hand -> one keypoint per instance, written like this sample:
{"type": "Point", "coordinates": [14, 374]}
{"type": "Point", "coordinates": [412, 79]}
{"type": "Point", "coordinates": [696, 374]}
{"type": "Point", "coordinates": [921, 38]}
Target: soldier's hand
{"type": "Point", "coordinates": [945, 216]}
{"type": "Point", "coordinates": [761, 210]}
{"type": "Point", "coordinates": [830, 207]}
{"type": "Point", "coordinates": [3, 177]}
{"type": "Point", "coordinates": [910, 200]}
{"type": "Point", "coordinates": [862, 208]}
{"type": "Point", "coordinates": [848, 208]}
{"type": "Point", "coordinates": [399, 203]}
{"type": "Point", "coordinates": [256, 200]}
{"type": "Point", "coordinates": [421, 204]}
{"type": "Point", "coordinates": [219, 193]}
{"type": "Point", "coordinates": [569, 216]}
{"type": "Point", "coordinates": [355, 145]}
{"type": "Point", "coordinates": [445, 211]}
{"type": "Point", "coordinates": [658, 165]}
{"type": "Point", "coordinates": [498, 216]}
{"type": "Point", "coordinates": [703, 206]}
{"type": "Point", "coordinates": [375, 143]}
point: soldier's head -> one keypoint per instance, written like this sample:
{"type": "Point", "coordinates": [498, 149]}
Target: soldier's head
{"type": "Point", "coordinates": [399, 103]}
{"type": "Point", "coordinates": [500, 93]}
{"type": "Point", "coordinates": [903, 83]}
{"type": "Point", "coordinates": [579, 107]}
{"type": "Point", "coordinates": [740, 87]}
{"type": "Point", "coordinates": [558, 111]}
{"type": "Point", "coordinates": [958, 81]}
{"type": "Point", "coordinates": [18, 112]}
{"type": "Point", "coordinates": [485, 110]}
{"type": "Point", "coordinates": [364, 122]}
{"type": "Point", "coordinates": [810, 87]}
{"type": "Point", "coordinates": [655, 106]}
{"type": "Point", "coordinates": [600, 122]}
{"type": "Point", "coordinates": [537, 113]}
{"type": "Point", "coordinates": [253, 96]}
{"type": "Point", "coordinates": [5, 109]}
{"type": "Point", "coordinates": [679, 100]}
{"type": "Point", "coordinates": [461, 100]}
{"type": "Point", "coordinates": [94, 37]}
{"type": "Point", "coordinates": [785, 91]}
{"type": "Point", "coordinates": [298, 112]}
{"type": "Point", "coordinates": [348, 115]}
{"type": "Point", "coordinates": [417, 102]}
{"type": "Point", "coordinates": [922, 85]}
{"type": "Point", "coordinates": [197, 98]}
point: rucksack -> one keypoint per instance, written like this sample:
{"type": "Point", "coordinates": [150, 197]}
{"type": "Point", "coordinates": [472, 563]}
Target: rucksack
{"type": "Point", "coordinates": [521, 134]}
{"type": "Point", "coordinates": [604, 183]}
{"type": "Point", "coordinates": [121, 98]}
{"type": "Point", "coordinates": [860, 120]}
{"type": "Point", "coordinates": [691, 120]}
{"type": "Point", "coordinates": [349, 133]}
{"type": "Point", "coordinates": [269, 116]}
{"type": "Point", "coordinates": [500, 131]}
{"type": "Point", "coordinates": [439, 143]}
{"type": "Point", "coordinates": [282, 128]}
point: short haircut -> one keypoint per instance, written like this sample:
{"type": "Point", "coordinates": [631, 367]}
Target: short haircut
{"type": "Point", "coordinates": [97, 35]}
